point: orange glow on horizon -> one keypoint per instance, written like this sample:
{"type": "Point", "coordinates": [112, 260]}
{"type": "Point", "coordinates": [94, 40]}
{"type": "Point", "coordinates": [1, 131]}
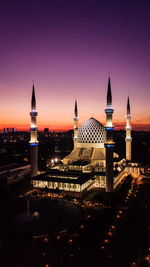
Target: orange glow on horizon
{"type": "Point", "coordinates": [68, 126]}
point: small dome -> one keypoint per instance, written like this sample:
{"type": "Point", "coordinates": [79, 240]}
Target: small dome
{"type": "Point", "coordinates": [91, 131]}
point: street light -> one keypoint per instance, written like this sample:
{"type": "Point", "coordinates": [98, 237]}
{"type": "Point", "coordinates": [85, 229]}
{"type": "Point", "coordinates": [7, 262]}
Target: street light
{"type": "Point", "coordinates": [56, 159]}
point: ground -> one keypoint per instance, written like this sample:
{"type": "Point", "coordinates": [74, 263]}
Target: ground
{"type": "Point", "coordinates": [99, 230]}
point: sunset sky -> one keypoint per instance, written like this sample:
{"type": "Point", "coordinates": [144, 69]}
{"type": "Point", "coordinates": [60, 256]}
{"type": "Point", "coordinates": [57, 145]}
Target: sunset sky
{"type": "Point", "coordinates": [68, 47]}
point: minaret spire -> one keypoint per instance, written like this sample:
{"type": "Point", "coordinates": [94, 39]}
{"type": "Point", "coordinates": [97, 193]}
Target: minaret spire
{"type": "Point", "coordinates": [128, 138]}
{"type": "Point", "coordinates": [109, 144]}
{"type": "Point", "coordinates": [33, 99]}
{"type": "Point", "coordinates": [33, 136]}
{"type": "Point", "coordinates": [76, 109]}
{"type": "Point", "coordinates": [109, 95]}
{"type": "Point", "coordinates": [128, 106]}
{"type": "Point", "coordinates": [75, 124]}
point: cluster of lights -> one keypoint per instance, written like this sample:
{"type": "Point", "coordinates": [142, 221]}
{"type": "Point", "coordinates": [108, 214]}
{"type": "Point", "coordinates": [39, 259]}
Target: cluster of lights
{"type": "Point", "coordinates": [61, 235]}
{"type": "Point", "coordinates": [71, 238]}
{"type": "Point", "coordinates": [146, 260]}
{"type": "Point", "coordinates": [52, 162]}
{"type": "Point", "coordinates": [91, 204]}
{"type": "Point", "coordinates": [110, 232]}
{"type": "Point", "coordinates": [41, 194]}
{"type": "Point", "coordinates": [55, 160]}
{"type": "Point", "coordinates": [132, 192]}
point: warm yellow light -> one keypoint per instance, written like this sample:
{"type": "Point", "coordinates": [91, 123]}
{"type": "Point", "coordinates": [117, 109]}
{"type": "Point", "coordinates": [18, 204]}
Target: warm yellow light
{"type": "Point", "coordinates": [120, 212]}
{"type": "Point", "coordinates": [58, 237]}
{"type": "Point", "coordinates": [106, 241]}
{"type": "Point", "coordinates": [109, 233]}
{"type": "Point", "coordinates": [45, 240]}
{"type": "Point", "coordinates": [70, 241]}
{"type": "Point", "coordinates": [147, 258]}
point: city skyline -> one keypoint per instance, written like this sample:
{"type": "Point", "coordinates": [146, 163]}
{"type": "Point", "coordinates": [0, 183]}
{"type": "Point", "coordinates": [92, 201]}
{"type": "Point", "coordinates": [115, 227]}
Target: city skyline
{"type": "Point", "coordinates": [69, 49]}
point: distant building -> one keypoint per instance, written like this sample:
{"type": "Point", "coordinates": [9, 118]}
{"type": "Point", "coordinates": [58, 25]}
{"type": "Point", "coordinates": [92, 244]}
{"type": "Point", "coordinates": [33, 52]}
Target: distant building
{"type": "Point", "coordinates": [13, 173]}
{"type": "Point", "coordinates": [9, 130]}
{"type": "Point", "coordinates": [13, 130]}
{"type": "Point", "coordinates": [46, 130]}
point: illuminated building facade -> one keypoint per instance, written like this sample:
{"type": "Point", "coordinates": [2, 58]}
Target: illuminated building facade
{"type": "Point", "coordinates": [92, 163]}
{"type": "Point", "coordinates": [89, 145]}
{"type": "Point", "coordinates": [72, 183]}
{"type": "Point", "coordinates": [94, 145]}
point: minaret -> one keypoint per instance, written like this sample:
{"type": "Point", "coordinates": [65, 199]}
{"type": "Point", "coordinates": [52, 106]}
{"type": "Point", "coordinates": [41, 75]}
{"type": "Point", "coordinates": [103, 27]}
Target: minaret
{"type": "Point", "coordinates": [109, 144]}
{"type": "Point", "coordinates": [128, 138]}
{"type": "Point", "coordinates": [33, 136]}
{"type": "Point", "coordinates": [75, 124]}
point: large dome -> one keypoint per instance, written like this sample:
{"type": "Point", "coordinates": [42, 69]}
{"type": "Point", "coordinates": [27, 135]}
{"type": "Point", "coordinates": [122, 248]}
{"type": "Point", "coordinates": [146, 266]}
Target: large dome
{"type": "Point", "coordinates": [91, 131]}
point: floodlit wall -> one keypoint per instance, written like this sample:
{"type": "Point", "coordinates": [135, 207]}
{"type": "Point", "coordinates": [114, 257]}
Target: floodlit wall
{"type": "Point", "coordinates": [62, 186]}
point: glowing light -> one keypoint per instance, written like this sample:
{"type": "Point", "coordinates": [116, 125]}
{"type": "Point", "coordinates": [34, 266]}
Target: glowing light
{"type": "Point", "coordinates": [34, 144]}
{"type": "Point", "coordinates": [109, 110]}
{"type": "Point", "coordinates": [45, 240]}
{"type": "Point", "coordinates": [110, 233]}
{"type": "Point", "coordinates": [147, 258]}
{"type": "Point", "coordinates": [33, 113]}
{"type": "Point", "coordinates": [109, 145]}
{"type": "Point", "coordinates": [120, 212]}
{"type": "Point", "coordinates": [70, 241]}
{"type": "Point", "coordinates": [107, 128]}
{"type": "Point", "coordinates": [58, 237]}
{"type": "Point", "coordinates": [106, 241]}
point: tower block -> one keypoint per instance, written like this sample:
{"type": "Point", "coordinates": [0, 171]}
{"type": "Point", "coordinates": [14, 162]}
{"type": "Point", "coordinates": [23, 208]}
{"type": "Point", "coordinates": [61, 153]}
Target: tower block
{"type": "Point", "coordinates": [109, 144]}
{"type": "Point", "coordinates": [128, 138]}
{"type": "Point", "coordinates": [75, 128]}
{"type": "Point", "coordinates": [33, 136]}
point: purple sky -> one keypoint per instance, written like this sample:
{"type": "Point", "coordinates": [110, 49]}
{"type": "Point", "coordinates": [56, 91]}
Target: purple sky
{"type": "Point", "coordinates": [68, 48]}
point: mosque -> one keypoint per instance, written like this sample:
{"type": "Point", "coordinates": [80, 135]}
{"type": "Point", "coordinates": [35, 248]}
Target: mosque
{"type": "Point", "coordinates": [92, 163]}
